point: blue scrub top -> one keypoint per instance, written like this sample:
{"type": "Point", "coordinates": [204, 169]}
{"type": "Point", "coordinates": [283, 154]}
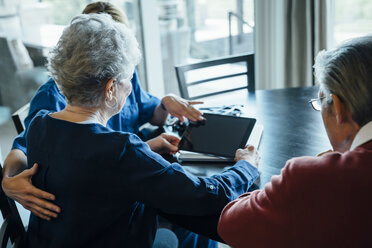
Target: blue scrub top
{"type": "Point", "coordinates": [138, 109]}
{"type": "Point", "coordinates": [109, 185]}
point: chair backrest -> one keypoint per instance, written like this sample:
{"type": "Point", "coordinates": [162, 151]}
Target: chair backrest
{"type": "Point", "coordinates": [7, 64]}
{"type": "Point", "coordinates": [19, 116]}
{"type": "Point", "coordinates": [216, 76]}
{"type": "Point", "coordinates": [15, 69]}
{"type": "Point", "coordinates": [16, 53]}
{"type": "Point", "coordinates": [12, 230]}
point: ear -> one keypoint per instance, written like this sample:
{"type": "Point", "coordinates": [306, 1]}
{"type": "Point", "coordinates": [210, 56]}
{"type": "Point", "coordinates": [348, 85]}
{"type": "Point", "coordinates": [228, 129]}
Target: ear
{"type": "Point", "coordinates": [109, 89]}
{"type": "Point", "coordinates": [340, 109]}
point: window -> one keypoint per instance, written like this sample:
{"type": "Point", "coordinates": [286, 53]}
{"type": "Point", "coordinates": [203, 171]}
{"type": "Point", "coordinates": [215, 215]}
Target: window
{"type": "Point", "coordinates": [195, 30]}
{"type": "Point", "coordinates": [351, 19]}
{"type": "Point", "coordinates": [43, 21]}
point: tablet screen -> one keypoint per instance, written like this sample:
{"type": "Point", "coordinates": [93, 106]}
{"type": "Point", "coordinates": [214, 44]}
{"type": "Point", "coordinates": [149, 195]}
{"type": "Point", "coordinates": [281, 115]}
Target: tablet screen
{"type": "Point", "coordinates": [220, 135]}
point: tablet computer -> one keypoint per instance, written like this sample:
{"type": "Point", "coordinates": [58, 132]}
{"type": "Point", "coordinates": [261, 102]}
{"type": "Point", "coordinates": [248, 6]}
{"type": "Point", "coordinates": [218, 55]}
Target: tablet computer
{"type": "Point", "coordinates": [219, 135]}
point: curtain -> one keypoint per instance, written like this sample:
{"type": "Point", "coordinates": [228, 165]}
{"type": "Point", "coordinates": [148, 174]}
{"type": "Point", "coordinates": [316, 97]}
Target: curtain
{"type": "Point", "coordinates": [305, 34]}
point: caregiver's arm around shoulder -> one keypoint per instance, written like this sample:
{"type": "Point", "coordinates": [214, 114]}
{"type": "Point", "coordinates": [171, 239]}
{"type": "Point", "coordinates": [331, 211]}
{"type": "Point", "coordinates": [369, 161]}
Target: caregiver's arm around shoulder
{"type": "Point", "coordinates": [17, 184]}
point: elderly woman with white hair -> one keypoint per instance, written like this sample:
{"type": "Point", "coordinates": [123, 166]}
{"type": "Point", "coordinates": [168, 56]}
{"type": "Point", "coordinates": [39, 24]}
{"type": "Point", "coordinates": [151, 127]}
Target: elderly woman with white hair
{"type": "Point", "coordinates": [140, 107]}
{"type": "Point", "coordinates": [124, 185]}
{"type": "Point", "coordinates": [322, 201]}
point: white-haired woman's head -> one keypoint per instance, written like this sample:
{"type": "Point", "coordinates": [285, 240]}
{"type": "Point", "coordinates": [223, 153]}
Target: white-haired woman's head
{"type": "Point", "coordinates": [92, 50]}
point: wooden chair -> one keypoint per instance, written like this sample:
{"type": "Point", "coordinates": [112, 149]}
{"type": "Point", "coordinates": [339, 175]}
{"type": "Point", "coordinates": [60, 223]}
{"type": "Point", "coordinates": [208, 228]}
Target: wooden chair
{"type": "Point", "coordinates": [19, 117]}
{"type": "Point", "coordinates": [225, 70]}
{"type": "Point", "coordinates": [12, 230]}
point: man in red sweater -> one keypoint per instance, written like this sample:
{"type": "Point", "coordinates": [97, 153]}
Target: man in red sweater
{"type": "Point", "coordinates": [319, 201]}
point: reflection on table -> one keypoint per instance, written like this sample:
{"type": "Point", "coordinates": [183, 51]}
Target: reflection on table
{"type": "Point", "coordinates": [291, 127]}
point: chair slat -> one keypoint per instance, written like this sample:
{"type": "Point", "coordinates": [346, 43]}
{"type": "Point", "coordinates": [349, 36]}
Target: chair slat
{"type": "Point", "coordinates": [216, 78]}
{"type": "Point", "coordinates": [12, 228]}
{"type": "Point", "coordinates": [181, 70]}
{"type": "Point", "coordinates": [19, 116]}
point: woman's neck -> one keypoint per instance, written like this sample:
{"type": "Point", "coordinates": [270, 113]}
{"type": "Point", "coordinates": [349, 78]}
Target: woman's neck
{"type": "Point", "coordinates": [82, 114]}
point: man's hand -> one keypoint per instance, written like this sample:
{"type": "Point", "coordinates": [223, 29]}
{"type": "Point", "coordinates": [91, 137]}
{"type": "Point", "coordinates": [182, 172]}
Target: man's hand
{"type": "Point", "coordinates": [180, 108]}
{"type": "Point", "coordinates": [20, 188]}
{"type": "Point", "coordinates": [249, 154]}
{"type": "Point", "coordinates": [164, 143]}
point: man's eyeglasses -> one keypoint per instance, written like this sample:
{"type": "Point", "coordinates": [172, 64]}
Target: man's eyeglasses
{"type": "Point", "coordinates": [316, 103]}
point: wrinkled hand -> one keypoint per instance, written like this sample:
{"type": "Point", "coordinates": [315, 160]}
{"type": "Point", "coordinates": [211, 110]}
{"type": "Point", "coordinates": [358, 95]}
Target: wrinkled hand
{"type": "Point", "coordinates": [20, 189]}
{"type": "Point", "coordinates": [249, 154]}
{"type": "Point", "coordinates": [181, 108]}
{"type": "Point", "coordinates": [164, 143]}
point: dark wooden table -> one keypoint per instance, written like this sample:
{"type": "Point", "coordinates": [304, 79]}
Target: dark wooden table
{"type": "Point", "coordinates": [291, 127]}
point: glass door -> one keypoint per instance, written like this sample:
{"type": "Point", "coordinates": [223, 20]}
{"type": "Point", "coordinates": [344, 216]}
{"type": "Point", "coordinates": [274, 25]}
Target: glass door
{"type": "Point", "coordinates": [197, 30]}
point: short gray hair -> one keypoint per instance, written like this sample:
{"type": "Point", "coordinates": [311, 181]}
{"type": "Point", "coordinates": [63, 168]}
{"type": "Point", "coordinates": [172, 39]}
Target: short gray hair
{"type": "Point", "coordinates": [92, 50]}
{"type": "Point", "coordinates": [346, 71]}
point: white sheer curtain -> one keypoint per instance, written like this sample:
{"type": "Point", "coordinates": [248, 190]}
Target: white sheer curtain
{"type": "Point", "coordinates": [289, 34]}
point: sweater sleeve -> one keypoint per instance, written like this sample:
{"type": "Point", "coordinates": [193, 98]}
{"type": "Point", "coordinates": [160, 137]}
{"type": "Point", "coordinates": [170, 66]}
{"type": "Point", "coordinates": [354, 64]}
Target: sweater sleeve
{"type": "Point", "coordinates": [294, 204]}
{"type": "Point", "coordinates": [259, 218]}
{"type": "Point", "coordinates": [156, 182]}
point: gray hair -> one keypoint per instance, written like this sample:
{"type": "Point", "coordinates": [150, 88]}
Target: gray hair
{"type": "Point", "coordinates": [92, 50]}
{"type": "Point", "coordinates": [347, 72]}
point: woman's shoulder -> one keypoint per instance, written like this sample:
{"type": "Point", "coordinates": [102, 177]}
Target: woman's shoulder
{"type": "Point", "coordinates": [41, 115]}
{"type": "Point", "coordinates": [130, 140]}
{"type": "Point", "coordinates": [120, 136]}
{"type": "Point", "coordinates": [119, 143]}
{"type": "Point", "coordinates": [37, 123]}
{"type": "Point", "coordinates": [50, 88]}
{"type": "Point", "coordinates": [47, 96]}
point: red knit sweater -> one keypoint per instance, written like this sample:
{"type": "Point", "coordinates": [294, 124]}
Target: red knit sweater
{"type": "Point", "coordinates": [316, 202]}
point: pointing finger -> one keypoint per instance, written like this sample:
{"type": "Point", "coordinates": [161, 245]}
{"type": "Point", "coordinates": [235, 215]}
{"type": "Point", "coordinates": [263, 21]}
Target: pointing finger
{"type": "Point", "coordinates": [194, 114]}
{"type": "Point", "coordinates": [195, 102]}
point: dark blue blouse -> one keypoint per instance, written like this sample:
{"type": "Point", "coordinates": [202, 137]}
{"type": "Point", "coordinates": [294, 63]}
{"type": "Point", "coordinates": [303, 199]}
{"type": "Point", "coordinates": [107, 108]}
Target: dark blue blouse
{"type": "Point", "coordinates": [138, 109]}
{"type": "Point", "coordinates": [109, 185]}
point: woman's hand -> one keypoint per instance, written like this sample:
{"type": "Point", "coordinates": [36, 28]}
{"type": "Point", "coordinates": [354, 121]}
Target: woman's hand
{"type": "Point", "coordinates": [164, 143]}
{"type": "Point", "coordinates": [20, 189]}
{"type": "Point", "coordinates": [180, 108]}
{"type": "Point", "coordinates": [249, 154]}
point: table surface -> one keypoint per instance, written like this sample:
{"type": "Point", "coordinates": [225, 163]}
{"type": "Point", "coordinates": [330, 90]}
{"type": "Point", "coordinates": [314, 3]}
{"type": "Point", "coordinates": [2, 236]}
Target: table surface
{"type": "Point", "coordinates": [291, 127]}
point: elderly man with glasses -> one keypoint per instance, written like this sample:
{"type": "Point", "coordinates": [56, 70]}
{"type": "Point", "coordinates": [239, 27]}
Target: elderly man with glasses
{"type": "Point", "coordinates": [325, 200]}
